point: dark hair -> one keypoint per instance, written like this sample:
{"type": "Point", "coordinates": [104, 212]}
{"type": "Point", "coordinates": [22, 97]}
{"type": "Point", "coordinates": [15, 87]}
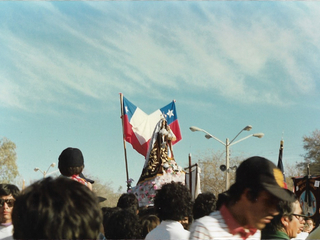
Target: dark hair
{"type": "Point", "coordinates": [123, 224]}
{"type": "Point", "coordinates": [107, 213]}
{"type": "Point", "coordinates": [236, 190]}
{"type": "Point", "coordinates": [222, 199]}
{"type": "Point", "coordinates": [173, 202]}
{"type": "Point", "coordinates": [128, 201]}
{"type": "Point", "coordinates": [69, 171]}
{"type": "Point", "coordinates": [146, 211]}
{"type": "Point", "coordinates": [7, 189]}
{"type": "Point", "coordinates": [148, 222]}
{"type": "Point", "coordinates": [285, 208]}
{"type": "Point", "coordinates": [204, 204]}
{"type": "Point", "coordinates": [56, 209]}
{"type": "Point", "coordinates": [309, 218]}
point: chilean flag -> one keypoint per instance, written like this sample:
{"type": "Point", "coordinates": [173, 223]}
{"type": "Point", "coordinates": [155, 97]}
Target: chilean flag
{"type": "Point", "coordinates": [139, 126]}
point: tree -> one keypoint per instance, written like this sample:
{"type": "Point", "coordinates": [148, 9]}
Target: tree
{"type": "Point", "coordinates": [212, 179]}
{"type": "Point", "coordinates": [312, 157]}
{"type": "Point", "coordinates": [8, 167]}
{"type": "Point", "coordinates": [291, 171]}
{"type": "Point", "coordinates": [106, 191]}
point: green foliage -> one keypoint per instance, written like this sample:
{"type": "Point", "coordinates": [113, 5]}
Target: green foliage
{"type": "Point", "coordinates": [8, 157]}
{"type": "Point", "coordinates": [312, 157]}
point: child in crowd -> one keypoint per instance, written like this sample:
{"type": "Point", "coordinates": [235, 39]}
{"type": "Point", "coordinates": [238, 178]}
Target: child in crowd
{"type": "Point", "coordinates": [71, 164]}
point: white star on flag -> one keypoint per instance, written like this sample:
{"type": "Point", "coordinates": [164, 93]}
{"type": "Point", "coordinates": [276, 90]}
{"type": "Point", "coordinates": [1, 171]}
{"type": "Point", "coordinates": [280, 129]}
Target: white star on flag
{"type": "Point", "coordinates": [170, 113]}
{"type": "Point", "coordinates": [126, 107]}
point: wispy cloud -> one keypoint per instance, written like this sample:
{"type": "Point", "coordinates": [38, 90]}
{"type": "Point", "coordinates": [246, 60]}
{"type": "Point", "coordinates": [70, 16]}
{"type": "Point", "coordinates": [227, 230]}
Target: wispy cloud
{"type": "Point", "coordinates": [191, 47]}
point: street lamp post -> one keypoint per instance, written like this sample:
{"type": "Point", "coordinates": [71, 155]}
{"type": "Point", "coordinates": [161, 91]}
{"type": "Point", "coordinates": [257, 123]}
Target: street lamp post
{"type": "Point", "coordinates": [227, 145]}
{"type": "Point", "coordinates": [44, 172]}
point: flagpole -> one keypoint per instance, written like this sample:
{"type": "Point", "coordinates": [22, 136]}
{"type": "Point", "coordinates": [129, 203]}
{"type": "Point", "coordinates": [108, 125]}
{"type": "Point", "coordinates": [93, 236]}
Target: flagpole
{"type": "Point", "coordinates": [280, 162]}
{"type": "Point", "coordinates": [190, 174]}
{"type": "Point", "coordinates": [124, 142]}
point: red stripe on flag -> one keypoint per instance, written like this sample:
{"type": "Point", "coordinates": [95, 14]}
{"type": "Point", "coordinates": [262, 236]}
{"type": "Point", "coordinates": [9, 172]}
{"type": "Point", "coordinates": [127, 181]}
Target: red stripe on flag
{"type": "Point", "coordinates": [176, 130]}
{"type": "Point", "coordinates": [130, 137]}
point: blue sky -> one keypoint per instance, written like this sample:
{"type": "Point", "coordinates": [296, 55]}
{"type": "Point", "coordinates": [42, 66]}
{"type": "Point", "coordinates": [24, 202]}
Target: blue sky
{"type": "Point", "coordinates": [227, 65]}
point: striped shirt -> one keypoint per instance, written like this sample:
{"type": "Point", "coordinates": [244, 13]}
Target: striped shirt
{"type": "Point", "coordinates": [215, 227]}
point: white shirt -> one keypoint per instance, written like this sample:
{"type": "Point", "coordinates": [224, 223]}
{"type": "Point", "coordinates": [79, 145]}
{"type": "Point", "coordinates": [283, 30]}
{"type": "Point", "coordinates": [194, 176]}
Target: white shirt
{"type": "Point", "coordinates": [301, 236]}
{"type": "Point", "coordinates": [6, 232]}
{"type": "Point", "coordinates": [315, 234]}
{"type": "Point", "coordinates": [215, 227]}
{"type": "Point", "coordinates": [168, 230]}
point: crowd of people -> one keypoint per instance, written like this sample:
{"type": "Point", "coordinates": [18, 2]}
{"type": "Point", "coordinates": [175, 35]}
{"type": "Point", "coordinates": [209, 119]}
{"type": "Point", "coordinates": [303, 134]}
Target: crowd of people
{"type": "Point", "coordinates": [257, 206]}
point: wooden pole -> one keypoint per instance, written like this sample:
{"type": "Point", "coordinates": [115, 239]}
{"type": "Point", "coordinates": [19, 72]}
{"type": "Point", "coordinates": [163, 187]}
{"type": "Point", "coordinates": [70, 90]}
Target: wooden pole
{"type": "Point", "coordinates": [124, 142]}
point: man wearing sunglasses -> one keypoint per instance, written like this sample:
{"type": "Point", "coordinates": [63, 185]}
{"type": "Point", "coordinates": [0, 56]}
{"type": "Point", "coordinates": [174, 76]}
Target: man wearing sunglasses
{"type": "Point", "coordinates": [288, 224]}
{"type": "Point", "coordinates": [8, 194]}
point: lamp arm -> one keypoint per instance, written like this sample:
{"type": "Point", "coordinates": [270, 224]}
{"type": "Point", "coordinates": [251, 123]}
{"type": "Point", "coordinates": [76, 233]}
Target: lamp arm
{"type": "Point", "coordinates": [48, 168]}
{"type": "Point", "coordinates": [215, 138]}
{"type": "Point", "coordinates": [235, 137]}
{"type": "Point", "coordinates": [51, 165]}
{"type": "Point", "coordinates": [241, 139]}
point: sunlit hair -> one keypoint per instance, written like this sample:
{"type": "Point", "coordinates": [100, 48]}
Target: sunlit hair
{"type": "Point", "coordinates": [56, 209]}
{"type": "Point", "coordinates": [7, 189]}
{"type": "Point", "coordinates": [204, 204]}
{"type": "Point", "coordinates": [173, 202]}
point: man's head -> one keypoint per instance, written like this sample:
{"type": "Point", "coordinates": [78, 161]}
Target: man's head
{"type": "Point", "coordinates": [290, 219]}
{"type": "Point", "coordinates": [204, 204]}
{"type": "Point", "coordinates": [123, 224]}
{"type": "Point", "coordinates": [173, 202]}
{"type": "Point", "coordinates": [185, 222]}
{"type": "Point", "coordinates": [261, 173]}
{"type": "Point", "coordinates": [258, 210]}
{"type": "Point", "coordinates": [8, 195]}
{"type": "Point", "coordinates": [309, 225]}
{"type": "Point", "coordinates": [129, 201]}
{"type": "Point", "coordinates": [258, 188]}
{"type": "Point", "coordinates": [56, 209]}
{"type": "Point", "coordinates": [148, 223]}
{"type": "Point", "coordinates": [71, 162]}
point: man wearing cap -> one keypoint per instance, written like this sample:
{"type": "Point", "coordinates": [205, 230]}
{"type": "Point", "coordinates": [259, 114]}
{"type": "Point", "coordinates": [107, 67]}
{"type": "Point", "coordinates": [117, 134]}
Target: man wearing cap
{"type": "Point", "coordinates": [71, 164]}
{"type": "Point", "coordinates": [250, 203]}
